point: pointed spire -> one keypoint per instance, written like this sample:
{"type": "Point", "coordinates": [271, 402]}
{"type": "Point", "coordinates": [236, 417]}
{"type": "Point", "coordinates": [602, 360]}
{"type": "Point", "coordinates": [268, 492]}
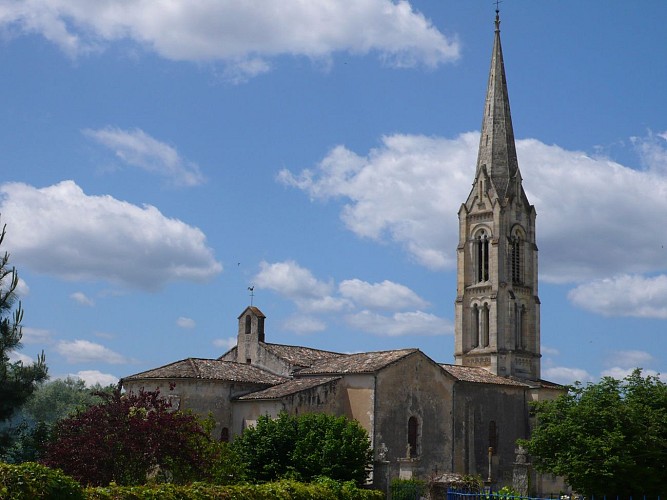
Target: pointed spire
{"type": "Point", "coordinates": [497, 151]}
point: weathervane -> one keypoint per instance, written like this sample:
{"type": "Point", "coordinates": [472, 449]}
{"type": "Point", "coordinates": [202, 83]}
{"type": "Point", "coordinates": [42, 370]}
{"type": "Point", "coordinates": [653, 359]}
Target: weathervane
{"type": "Point", "coordinates": [252, 293]}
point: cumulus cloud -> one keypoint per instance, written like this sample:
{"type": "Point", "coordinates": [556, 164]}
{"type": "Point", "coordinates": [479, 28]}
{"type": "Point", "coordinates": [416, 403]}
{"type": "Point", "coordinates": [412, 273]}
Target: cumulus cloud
{"type": "Point", "coordinates": [385, 295]}
{"type": "Point", "coordinates": [36, 336]}
{"type": "Point", "coordinates": [93, 377]}
{"type": "Point", "coordinates": [16, 356]}
{"type": "Point", "coordinates": [290, 279]}
{"type": "Point", "coordinates": [243, 35]}
{"type": "Point", "coordinates": [409, 188]}
{"type": "Point", "coordinates": [630, 359]}
{"type": "Point", "coordinates": [186, 323]}
{"type": "Point", "coordinates": [62, 231]}
{"type": "Point", "coordinates": [624, 295]}
{"type": "Point", "coordinates": [652, 150]}
{"type": "Point", "coordinates": [304, 324]}
{"type": "Point", "coordinates": [566, 376]}
{"type": "Point", "coordinates": [358, 298]}
{"type": "Point", "coordinates": [82, 299]}
{"type": "Point", "coordinates": [84, 351]}
{"type": "Point", "coordinates": [138, 149]}
{"type": "Point", "coordinates": [403, 323]}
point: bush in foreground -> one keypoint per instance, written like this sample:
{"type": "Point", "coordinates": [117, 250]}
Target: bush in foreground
{"type": "Point", "coordinates": [30, 480]}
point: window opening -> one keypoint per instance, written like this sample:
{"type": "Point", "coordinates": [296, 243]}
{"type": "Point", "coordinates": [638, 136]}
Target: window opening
{"type": "Point", "coordinates": [475, 326]}
{"type": "Point", "coordinates": [515, 259]}
{"type": "Point", "coordinates": [248, 324]}
{"type": "Point", "coordinates": [224, 435]}
{"type": "Point", "coordinates": [484, 327]}
{"type": "Point", "coordinates": [482, 247]}
{"type": "Point", "coordinates": [413, 432]}
{"type": "Point", "coordinates": [493, 437]}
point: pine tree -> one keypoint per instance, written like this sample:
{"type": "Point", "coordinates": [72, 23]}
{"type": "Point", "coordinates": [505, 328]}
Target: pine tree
{"type": "Point", "coordinates": [17, 381]}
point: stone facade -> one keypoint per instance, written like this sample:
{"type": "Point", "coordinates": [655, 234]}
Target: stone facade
{"type": "Point", "coordinates": [423, 418]}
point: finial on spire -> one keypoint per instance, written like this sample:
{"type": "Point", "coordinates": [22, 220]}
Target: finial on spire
{"type": "Point", "coordinates": [498, 2]}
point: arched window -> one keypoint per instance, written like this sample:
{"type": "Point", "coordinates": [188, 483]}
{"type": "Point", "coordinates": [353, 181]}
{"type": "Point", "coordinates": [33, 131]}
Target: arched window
{"type": "Point", "coordinates": [482, 256]}
{"type": "Point", "coordinates": [224, 435]}
{"type": "Point", "coordinates": [248, 324]}
{"type": "Point", "coordinates": [475, 326]}
{"type": "Point", "coordinates": [413, 436]}
{"type": "Point", "coordinates": [484, 326]}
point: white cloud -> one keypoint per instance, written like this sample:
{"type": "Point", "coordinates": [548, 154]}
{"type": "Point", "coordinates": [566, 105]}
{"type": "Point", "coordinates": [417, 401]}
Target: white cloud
{"type": "Point", "coordinates": [652, 151]}
{"type": "Point", "coordinates": [186, 323]}
{"type": "Point", "coordinates": [84, 351]}
{"type": "Point", "coordinates": [22, 289]}
{"type": "Point", "coordinates": [241, 34]}
{"type": "Point", "coordinates": [226, 344]}
{"type": "Point", "coordinates": [15, 356]}
{"type": "Point", "coordinates": [630, 359]}
{"type": "Point", "coordinates": [551, 351]}
{"type": "Point", "coordinates": [624, 296]}
{"type": "Point", "coordinates": [566, 376]}
{"type": "Point", "coordinates": [291, 280]}
{"type": "Point", "coordinates": [385, 295]}
{"type": "Point", "coordinates": [317, 297]}
{"type": "Point", "coordinates": [92, 377]}
{"type": "Point", "coordinates": [619, 373]}
{"type": "Point", "coordinates": [33, 336]}
{"type": "Point", "coordinates": [82, 299]}
{"type": "Point", "coordinates": [409, 189]}
{"type": "Point", "coordinates": [399, 324]}
{"type": "Point", "coordinates": [60, 230]}
{"type": "Point", "coordinates": [304, 324]}
{"type": "Point", "coordinates": [138, 149]}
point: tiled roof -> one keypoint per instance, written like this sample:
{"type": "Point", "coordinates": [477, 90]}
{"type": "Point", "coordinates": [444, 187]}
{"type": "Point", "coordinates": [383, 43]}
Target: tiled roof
{"type": "Point", "coordinates": [550, 385]}
{"type": "Point", "coordinates": [290, 387]}
{"type": "Point", "coordinates": [300, 356]}
{"type": "Point", "coordinates": [363, 362]}
{"type": "Point", "coordinates": [211, 369]}
{"type": "Point", "coordinates": [480, 376]}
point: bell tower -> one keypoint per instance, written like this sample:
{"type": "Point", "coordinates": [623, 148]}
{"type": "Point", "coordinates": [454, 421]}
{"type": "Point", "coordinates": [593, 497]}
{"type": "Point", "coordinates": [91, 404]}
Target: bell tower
{"type": "Point", "coordinates": [497, 324]}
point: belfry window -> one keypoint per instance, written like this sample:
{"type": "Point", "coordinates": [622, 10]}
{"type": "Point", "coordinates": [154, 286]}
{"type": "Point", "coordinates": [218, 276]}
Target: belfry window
{"type": "Point", "coordinates": [482, 256]}
{"type": "Point", "coordinates": [248, 323]}
{"type": "Point", "coordinates": [516, 263]}
{"type": "Point", "coordinates": [475, 326]}
{"type": "Point", "coordinates": [484, 326]}
{"type": "Point", "coordinates": [520, 326]}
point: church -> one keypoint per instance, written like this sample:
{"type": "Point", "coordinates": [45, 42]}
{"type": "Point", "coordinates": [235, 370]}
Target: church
{"type": "Point", "coordinates": [423, 417]}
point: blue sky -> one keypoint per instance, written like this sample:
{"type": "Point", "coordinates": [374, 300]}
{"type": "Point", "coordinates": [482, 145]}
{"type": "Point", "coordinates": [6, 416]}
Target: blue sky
{"type": "Point", "coordinates": [158, 159]}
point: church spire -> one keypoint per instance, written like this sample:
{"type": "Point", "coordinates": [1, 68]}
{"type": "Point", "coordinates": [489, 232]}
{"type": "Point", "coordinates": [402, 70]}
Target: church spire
{"type": "Point", "coordinates": [497, 324]}
{"type": "Point", "coordinates": [497, 151]}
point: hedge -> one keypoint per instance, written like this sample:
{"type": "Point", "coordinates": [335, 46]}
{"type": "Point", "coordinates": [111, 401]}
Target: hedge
{"type": "Point", "coordinates": [31, 480]}
{"type": "Point", "coordinates": [34, 481]}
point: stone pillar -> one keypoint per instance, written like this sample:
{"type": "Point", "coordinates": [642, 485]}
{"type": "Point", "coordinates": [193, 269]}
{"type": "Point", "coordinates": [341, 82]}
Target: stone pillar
{"type": "Point", "coordinates": [521, 473]}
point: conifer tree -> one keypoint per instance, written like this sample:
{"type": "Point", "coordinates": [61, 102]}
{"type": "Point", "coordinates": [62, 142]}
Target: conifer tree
{"type": "Point", "coordinates": [17, 381]}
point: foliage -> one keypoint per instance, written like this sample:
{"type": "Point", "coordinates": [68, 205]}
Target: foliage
{"type": "Point", "coordinates": [17, 381]}
{"type": "Point", "coordinates": [407, 489]}
{"type": "Point", "coordinates": [127, 438]}
{"type": "Point", "coordinates": [608, 438]}
{"type": "Point", "coordinates": [31, 480]}
{"type": "Point", "coordinates": [51, 402]}
{"type": "Point", "coordinates": [285, 490]}
{"type": "Point", "coordinates": [305, 447]}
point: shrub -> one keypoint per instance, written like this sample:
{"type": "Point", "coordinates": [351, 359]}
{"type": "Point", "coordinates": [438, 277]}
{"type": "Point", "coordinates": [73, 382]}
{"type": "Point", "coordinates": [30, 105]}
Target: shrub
{"type": "Point", "coordinates": [30, 480]}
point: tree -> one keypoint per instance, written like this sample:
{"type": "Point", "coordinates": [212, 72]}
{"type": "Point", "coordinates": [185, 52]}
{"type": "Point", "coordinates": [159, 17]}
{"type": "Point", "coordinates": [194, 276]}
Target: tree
{"type": "Point", "coordinates": [608, 438]}
{"type": "Point", "coordinates": [128, 438]}
{"type": "Point", "coordinates": [49, 403]}
{"type": "Point", "coordinates": [305, 447]}
{"type": "Point", "coordinates": [17, 381]}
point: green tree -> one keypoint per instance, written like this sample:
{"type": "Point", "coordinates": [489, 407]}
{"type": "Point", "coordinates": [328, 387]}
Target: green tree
{"type": "Point", "coordinates": [305, 447]}
{"type": "Point", "coordinates": [50, 402]}
{"type": "Point", "coordinates": [608, 438]}
{"type": "Point", "coordinates": [17, 381]}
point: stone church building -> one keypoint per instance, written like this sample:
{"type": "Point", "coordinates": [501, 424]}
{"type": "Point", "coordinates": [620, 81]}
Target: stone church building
{"type": "Point", "coordinates": [424, 418]}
